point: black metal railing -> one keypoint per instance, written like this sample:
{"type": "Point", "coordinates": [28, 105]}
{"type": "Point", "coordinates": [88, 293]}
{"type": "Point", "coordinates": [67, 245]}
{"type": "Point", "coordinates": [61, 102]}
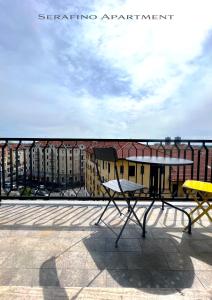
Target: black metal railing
{"type": "Point", "coordinates": [40, 168]}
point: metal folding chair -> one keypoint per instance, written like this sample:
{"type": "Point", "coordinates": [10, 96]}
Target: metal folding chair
{"type": "Point", "coordinates": [200, 191]}
{"type": "Point", "coordinates": [116, 186]}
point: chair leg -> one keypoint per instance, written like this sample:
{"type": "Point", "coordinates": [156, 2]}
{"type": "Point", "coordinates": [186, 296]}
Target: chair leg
{"type": "Point", "coordinates": [117, 207]}
{"type": "Point", "coordinates": [103, 213]}
{"type": "Point", "coordinates": [199, 206]}
{"type": "Point", "coordinates": [134, 214]}
{"type": "Point", "coordinates": [119, 236]}
{"type": "Point", "coordinates": [205, 212]}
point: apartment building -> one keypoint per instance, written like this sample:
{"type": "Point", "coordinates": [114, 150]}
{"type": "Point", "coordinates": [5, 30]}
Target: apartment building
{"type": "Point", "coordinates": [11, 162]}
{"type": "Point", "coordinates": [57, 163]}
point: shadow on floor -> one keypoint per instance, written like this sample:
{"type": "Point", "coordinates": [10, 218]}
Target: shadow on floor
{"type": "Point", "coordinates": [133, 267]}
{"type": "Point", "coordinates": [48, 277]}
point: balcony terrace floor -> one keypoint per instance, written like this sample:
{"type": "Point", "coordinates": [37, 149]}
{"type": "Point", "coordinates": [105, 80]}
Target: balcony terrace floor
{"type": "Point", "coordinates": [55, 251]}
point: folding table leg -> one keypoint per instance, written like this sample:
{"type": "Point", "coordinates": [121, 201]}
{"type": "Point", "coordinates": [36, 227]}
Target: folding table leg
{"type": "Point", "coordinates": [145, 216]}
{"type": "Point", "coordinates": [162, 205]}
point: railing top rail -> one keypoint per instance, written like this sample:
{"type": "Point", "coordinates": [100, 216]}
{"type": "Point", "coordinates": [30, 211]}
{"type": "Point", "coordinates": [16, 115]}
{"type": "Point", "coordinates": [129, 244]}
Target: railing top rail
{"type": "Point", "coordinates": [105, 139]}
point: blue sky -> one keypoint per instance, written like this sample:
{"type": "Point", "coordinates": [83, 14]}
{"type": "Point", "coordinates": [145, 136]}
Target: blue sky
{"type": "Point", "coordinates": [105, 78]}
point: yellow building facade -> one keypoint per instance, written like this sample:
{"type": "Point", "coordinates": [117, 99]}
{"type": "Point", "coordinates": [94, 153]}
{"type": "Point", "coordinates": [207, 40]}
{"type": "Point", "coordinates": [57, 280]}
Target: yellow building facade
{"type": "Point", "coordinates": [139, 173]}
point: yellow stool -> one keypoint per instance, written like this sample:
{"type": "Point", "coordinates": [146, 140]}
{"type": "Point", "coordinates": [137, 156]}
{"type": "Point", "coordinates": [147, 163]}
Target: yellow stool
{"type": "Point", "coordinates": [204, 189]}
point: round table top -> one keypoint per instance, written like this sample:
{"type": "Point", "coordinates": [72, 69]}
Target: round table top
{"type": "Point", "coordinates": [158, 160]}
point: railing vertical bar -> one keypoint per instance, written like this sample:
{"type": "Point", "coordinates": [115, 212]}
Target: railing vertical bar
{"type": "Point", "coordinates": [66, 165]}
{"type": "Point", "coordinates": [38, 164]}
{"type": "Point", "coordinates": [198, 163]}
{"type": "Point", "coordinates": [25, 168]}
{"type": "Point", "coordinates": [52, 167]}
{"type": "Point", "coordinates": [72, 163]}
{"type": "Point", "coordinates": [44, 164]}
{"type": "Point", "coordinates": [192, 158]}
{"type": "Point", "coordinates": [178, 168]}
{"type": "Point", "coordinates": [30, 161]}
{"type": "Point", "coordinates": [17, 164]}
{"type": "Point", "coordinates": [11, 167]}
{"type": "Point", "coordinates": [3, 164]}
{"type": "Point", "coordinates": [170, 169]}
{"type": "Point", "coordinates": [206, 162]}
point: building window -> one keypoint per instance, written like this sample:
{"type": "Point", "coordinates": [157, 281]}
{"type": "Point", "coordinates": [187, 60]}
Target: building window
{"type": "Point", "coordinates": [108, 167]}
{"type": "Point", "coordinates": [142, 170]}
{"type": "Point", "coordinates": [131, 170]}
{"type": "Point", "coordinates": [121, 169]}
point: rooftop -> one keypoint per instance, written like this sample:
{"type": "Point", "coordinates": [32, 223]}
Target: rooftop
{"type": "Point", "coordinates": [55, 251]}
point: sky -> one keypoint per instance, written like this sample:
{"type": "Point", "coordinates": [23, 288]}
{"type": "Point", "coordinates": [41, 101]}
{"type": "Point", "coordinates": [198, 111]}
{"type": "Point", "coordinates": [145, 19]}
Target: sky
{"type": "Point", "coordinates": [106, 78]}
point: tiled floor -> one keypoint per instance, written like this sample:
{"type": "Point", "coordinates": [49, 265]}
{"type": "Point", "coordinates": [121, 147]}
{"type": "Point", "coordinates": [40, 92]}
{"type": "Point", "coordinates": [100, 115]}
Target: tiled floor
{"type": "Point", "coordinates": [60, 246]}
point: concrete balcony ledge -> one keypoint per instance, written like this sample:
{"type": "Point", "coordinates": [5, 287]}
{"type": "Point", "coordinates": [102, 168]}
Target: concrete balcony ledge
{"type": "Point", "coordinates": [56, 252]}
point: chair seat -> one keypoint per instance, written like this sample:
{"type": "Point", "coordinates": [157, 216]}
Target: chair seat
{"type": "Point", "coordinates": [204, 189]}
{"type": "Point", "coordinates": [198, 186]}
{"type": "Point", "coordinates": [126, 185]}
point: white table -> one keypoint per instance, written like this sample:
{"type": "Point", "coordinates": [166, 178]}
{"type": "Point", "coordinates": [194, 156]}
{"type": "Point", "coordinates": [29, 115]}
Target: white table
{"type": "Point", "coordinates": [157, 165]}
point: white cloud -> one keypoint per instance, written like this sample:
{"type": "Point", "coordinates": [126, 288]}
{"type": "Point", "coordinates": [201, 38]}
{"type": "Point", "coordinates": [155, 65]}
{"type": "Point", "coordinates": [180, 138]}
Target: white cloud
{"type": "Point", "coordinates": [106, 78]}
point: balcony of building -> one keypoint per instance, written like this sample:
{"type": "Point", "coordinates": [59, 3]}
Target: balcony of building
{"type": "Point", "coordinates": [48, 251]}
{"type": "Point", "coordinates": [50, 247]}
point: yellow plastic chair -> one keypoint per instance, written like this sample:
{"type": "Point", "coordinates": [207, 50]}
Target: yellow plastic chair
{"type": "Point", "coordinates": [204, 189]}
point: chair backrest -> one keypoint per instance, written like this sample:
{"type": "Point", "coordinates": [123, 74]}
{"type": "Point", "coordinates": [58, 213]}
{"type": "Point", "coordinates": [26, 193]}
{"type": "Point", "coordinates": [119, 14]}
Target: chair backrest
{"type": "Point", "coordinates": [106, 154]}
